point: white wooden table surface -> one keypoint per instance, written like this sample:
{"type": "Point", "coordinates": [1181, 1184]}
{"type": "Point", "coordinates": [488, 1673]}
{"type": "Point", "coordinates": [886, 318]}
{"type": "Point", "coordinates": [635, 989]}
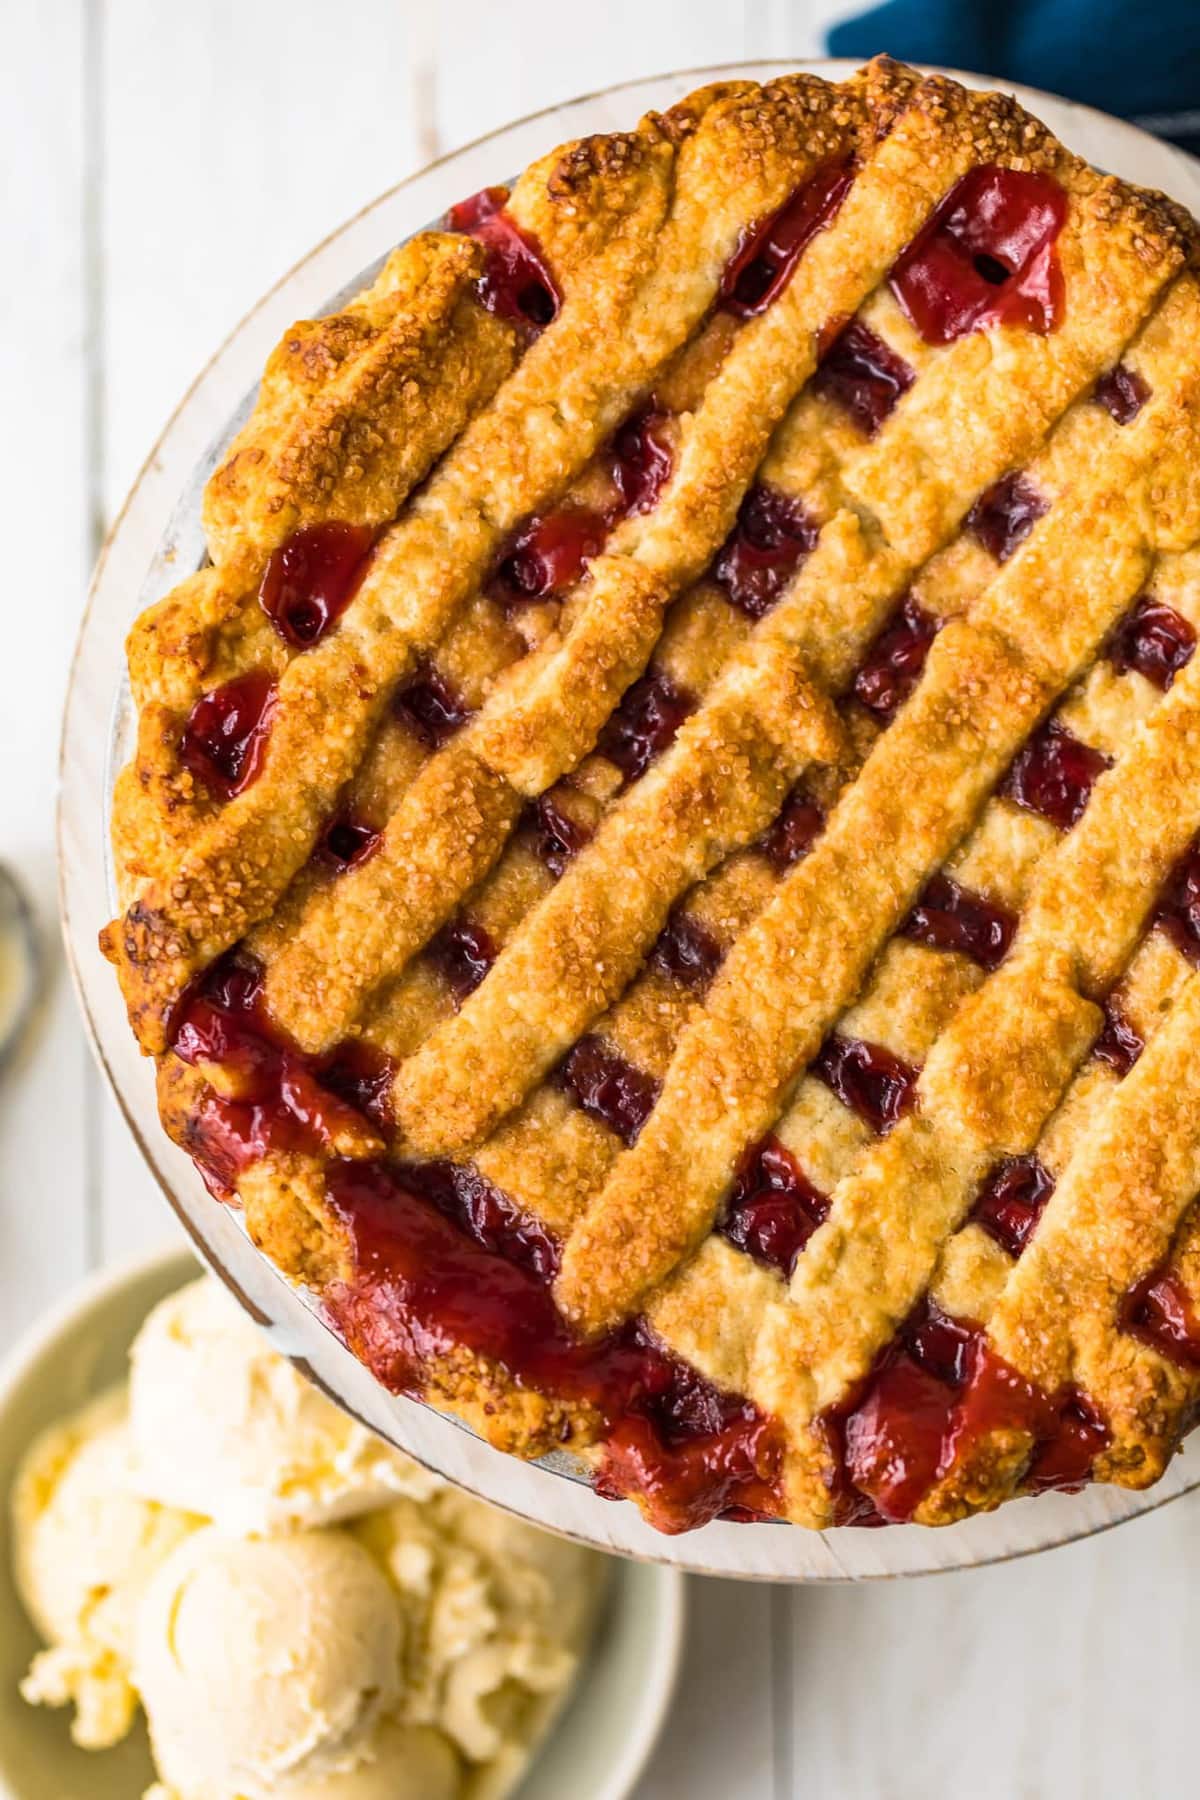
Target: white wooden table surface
{"type": "Point", "coordinates": [164, 162]}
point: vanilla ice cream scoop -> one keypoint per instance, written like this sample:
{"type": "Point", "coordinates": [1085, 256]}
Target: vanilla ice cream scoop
{"type": "Point", "coordinates": [401, 1762]}
{"type": "Point", "coordinates": [498, 1615]}
{"type": "Point", "coordinates": [224, 1426]}
{"type": "Point", "coordinates": [86, 1548]}
{"type": "Point", "coordinates": [265, 1666]}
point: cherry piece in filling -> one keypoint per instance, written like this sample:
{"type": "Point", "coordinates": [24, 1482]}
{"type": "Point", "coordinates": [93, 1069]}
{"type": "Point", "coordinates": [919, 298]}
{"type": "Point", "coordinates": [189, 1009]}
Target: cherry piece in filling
{"type": "Point", "coordinates": [361, 1076]}
{"type": "Point", "coordinates": [1122, 393]}
{"type": "Point", "coordinates": [794, 832]}
{"type": "Point", "coordinates": [691, 1452]}
{"type": "Point", "coordinates": [934, 1392]}
{"type": "Point", "coordinates": [650, 713]}
{"type": "Point", "coordinates": [312, 578]}
{"type": "Point", "coordinates": [1158, 1311]}
{"type": "Point", "coordinates": [1053, 775]}
{"type": "Point", "coordinates": [1067, 1430]}
{"type": "Point", "coordinates": [222, 1017]}
{"type": "Point", "coordinates": [516, 283]}
{"type": "Point", "coordinates": [486, 1214]}
{"type": "Point", "coordinates": [284, 1100]}
{"type": "Point", "coordinates": [986, 257]}
{"type": "Point", "coordinates": [1153, 639]}
{"type": "Point", "coordinates": [894, 662]}
{"type": "Point", "coordinates": [1012, 1200]}
{"type": "Point", "coordinates": [891, 1438]}
{"type": "Point", "coordinates": [548, 555]}
{"type": "Point", "coordinates": [1003, 518]}
{"type": "Point", "coordinates": [558, 836]}
{"type": "Point", "coordinates": [767, 253]}
{"type": "Point", "coordinates": [1062, 1461]}
{"type": "Point", "coordinates": [225, 737]}
{"type": "Point", "coordinates": [1118, 1045]}
{"type": "Point", "coordinates": [772, 537]}
{"type": "Point", "coordinates": [608, 1087]}
{"type": "Point", "coordinates": [1178, 911]}
{"type": "Point", "coordinates": [428, 1281]}
{"type": "Point", "coordinates": [463, 953]}
{"type": "Point", "coordinates": [430, 708]}
{"type": "Point", "coordinates": [640, 460]}
{"type": "Point", "coordinates": [773, 1207]}
{"type": "Point", "coordinates": [868, 1079]}
{"type": "Point", "coordinates": [347, 843]}
{"type": "Point", "coordinates": [687, 951]}
{"type": "Point", "coordinates": [861, 373]}
{"type": "Point", "coordinates": [949, 917]}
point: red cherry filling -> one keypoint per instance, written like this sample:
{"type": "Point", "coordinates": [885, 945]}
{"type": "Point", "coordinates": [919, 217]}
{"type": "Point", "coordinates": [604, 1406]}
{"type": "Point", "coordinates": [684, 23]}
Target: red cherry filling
{"type": "Point", "coordinates": [891, 1440]}
{"type": "Point", "coordinates": [608, 1087]}
{"type": "Point", "coordinates": [773, 1208]}
{"type": "Point", "coordinates": [650, 713]}
{"type": "Point", "coordinates": [948, 917]}
{"type": "Point", "coordinates": [463, 953]}
{"type": "Point", "coordinates": [794, 832]}
{"type": "Point", "coordinates": [1011, 1201]}
{"type": "Point", "coordinates": [548, 555]}
{"type": "Point", "coordinates": [687, 951]}
{"type": "Point", "coordinates": [772, 537]}
{"type": "Point", "coordinates": [427, 1282]}
{"type": "Point", "coordinates": [1003, 518]}
{"type": "Point", "coordinates": [868, 1079]}
{"type": "Point", "coordinates": [640, 460]}
{"type": "Point", "coordinates": [767, 253]}
{"type": "Point", "coordinates": [1118, 1045]}
{"type": "Point", "coordinates": [1178, 911]}
{"type": "Point", "coordinates": [557, 836]}
{"type": "Point", "coordinates": [1153, 639]}
{"type": "Point", "coordinates": [986, 257]}
{"type": "Point", "coordinates": [348, 842]}
{"type": "Point", "coordinates": [1063, 1461]}
{"type": "Point", "coordinates": [895, 660]}
{"type": "Point", "coordinates": [284, 1100]}
{"type": "Point", "coordinates": [933, 1392]}
{"type": "Point", "coordinates": [691, 1452]}
{"type": "Point", "coordinates": [1053, 775]}
{"type": "Point", "coordinates": [1067, 1429]}
{"type": "Point", "coordinates": [312, 578]}
{"type": "Point", "coordinates": [222, 1018]}
{"type": "Point", "coordinates": [863, 374]}
{"type": "Point", "coordinates": [430, 708]}
{"type": "Point", "coordinates": [483, 1213]}
{"type": "Point", "coordinates": [516, 283]}
{"type": "Point", "coordinates": [1122, 393]}
{"type": "Point", "coordinates": [468, 215]}
{"type": "Point", "coordinates": [1158, 1311]}
{"type": "Point", "coordinates": [361, 1076]}
{"type": "Point", "coordinates": [225, 737]}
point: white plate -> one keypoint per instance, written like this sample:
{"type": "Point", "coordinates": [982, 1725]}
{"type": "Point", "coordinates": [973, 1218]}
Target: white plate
{"type": "Point", "coordinates": [596, 1750]}
{"type": "Point", "coordinates": [140, 562]}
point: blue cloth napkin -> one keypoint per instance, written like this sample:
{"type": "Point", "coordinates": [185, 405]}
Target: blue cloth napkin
{"type": "Point", "coordinates": [1139, 59]}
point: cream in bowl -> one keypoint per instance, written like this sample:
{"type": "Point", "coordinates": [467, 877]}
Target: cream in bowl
{"type": "Point", "coordinates": [296, 1609]}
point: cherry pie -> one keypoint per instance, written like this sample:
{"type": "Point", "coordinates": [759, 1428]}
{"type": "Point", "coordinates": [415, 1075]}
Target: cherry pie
{"type": "Point", "coordinates": [661, 867]}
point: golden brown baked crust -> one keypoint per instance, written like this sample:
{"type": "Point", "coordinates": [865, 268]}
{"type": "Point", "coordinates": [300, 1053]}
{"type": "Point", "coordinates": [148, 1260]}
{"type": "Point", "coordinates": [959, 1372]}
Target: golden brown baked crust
{"type": "Point", "coordinates": [977, 491]}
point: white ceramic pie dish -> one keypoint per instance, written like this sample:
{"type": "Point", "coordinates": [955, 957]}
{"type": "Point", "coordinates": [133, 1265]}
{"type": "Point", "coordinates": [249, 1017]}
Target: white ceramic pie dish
{"type": "Point", "coordinates": [596, 1751]}
{"type": "Point", "coordinates": [140, 562]}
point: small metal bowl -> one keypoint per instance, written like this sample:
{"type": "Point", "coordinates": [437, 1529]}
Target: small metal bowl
{"type": "Point", "coordinates": [21, 964]}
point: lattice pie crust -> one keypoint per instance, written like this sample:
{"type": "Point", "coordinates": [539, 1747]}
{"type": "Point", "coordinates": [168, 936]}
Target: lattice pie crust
{"type": "Point", "coordinates": [660, 863]}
